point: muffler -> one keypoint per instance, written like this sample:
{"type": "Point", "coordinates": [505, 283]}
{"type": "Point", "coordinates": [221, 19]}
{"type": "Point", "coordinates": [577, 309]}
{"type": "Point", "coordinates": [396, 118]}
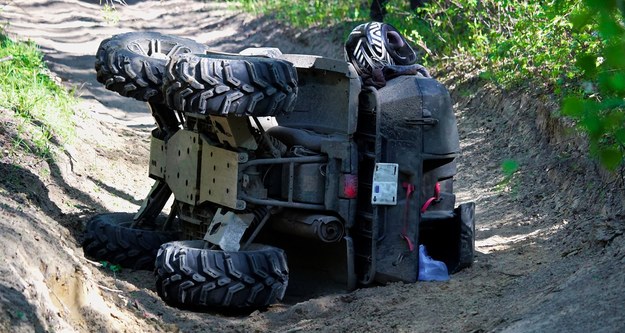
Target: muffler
{"type": "Point", "coordinates": [326, 228]}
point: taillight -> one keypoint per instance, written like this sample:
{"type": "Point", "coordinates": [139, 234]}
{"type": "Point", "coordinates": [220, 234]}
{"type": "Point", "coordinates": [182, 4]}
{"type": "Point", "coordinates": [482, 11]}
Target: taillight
{"type": "Point", "coordinates": [349, 183]}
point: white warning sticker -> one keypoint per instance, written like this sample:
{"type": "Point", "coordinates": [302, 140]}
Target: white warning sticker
{"type": "Point", "coordinates": [384, 191]}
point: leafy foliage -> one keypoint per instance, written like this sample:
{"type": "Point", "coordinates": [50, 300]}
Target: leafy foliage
{"type": "Point", "coordinates": [599, 107]}
{"type": "Point", "coordinates": [109, 10]}
{"type": "Point", "coordinates": [112, 267]}
{"type": "Point", "coordinates": [509, 168]}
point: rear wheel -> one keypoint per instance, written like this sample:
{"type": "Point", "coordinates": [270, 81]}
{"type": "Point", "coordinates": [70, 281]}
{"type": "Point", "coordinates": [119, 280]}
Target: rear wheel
{"type": "Point", "coordinates": [220, 84]}
{"type": "Point", "coordinates": [108, 237]}
{"type": "Point", "coordinates": [190, 276]}
{"type": "Point", "coordinates": [132, 64]}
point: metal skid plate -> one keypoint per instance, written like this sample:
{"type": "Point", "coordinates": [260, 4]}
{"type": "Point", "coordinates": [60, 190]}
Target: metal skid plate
{"type": "Point", "coordinates": [157, 158]}
{"type": "Point", "coordinates": [234, 131]}
{"type": "Point", "coordinates": [183, 152]}
{"type": "Point", "coordinates": [219, 177]}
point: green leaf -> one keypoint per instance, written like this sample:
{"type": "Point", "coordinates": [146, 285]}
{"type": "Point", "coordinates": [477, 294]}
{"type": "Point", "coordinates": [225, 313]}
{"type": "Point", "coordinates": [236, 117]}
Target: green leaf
{"type": "Point", "coordinates": [614, 120]}
{"type": "Point", "coordinates": [610, 104]}
{"type": "Point", "coordinates": [611, 157]}
{"type": "Point", "coordinates": [592, 123]}
{"type": "Point", "coordinates": [614, 55]}
{"type": "Point", "coordinates": [573, 107]}
{"type": "Point", "coordinates": [608, 27]}
{"type": "Point", "coordinates": [587, 63]}
{"type": "Point", "coordinates": [112, 267]}
{"type": "Point", "coordinates": [617, 81]}
{"type": "Point", "coordinates": [620, 136]}
{"type": "Point", "coordinates": [509, 167]}
{"type": "Point", "coordinates": [604, 81]}
{"type": "Point", "coordinates": [605, 5]}
{"type": "Point", "coordinates": [580, 19]}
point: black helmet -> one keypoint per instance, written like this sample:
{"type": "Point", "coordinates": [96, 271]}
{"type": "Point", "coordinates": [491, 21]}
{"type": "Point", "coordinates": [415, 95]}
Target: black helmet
{"type": "Point", "coordinates": [374, 45]}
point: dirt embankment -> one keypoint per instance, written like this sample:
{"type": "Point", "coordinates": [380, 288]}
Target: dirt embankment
{"type": "Point", "coordinates": [549, 239]}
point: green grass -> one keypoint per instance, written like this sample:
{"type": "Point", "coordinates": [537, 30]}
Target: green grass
{"type": "Point", "coordinates": [41, 108]}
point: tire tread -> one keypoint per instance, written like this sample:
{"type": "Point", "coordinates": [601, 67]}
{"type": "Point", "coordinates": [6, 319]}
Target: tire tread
{"type": "Point", "coordinates": [124, 66]}
{"type": "Point", "coordinates": [216, 279]}
{"type": "Point", "coordinates": [221, 85]}
{"type": "Point", "coordinates": [108, 237]}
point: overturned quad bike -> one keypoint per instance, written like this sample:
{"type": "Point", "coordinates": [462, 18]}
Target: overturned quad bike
{"type": "Point", "coordinates": [268, 154]}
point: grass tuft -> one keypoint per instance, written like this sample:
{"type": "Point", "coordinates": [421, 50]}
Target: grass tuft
{"type": "Point", "coordinates": [41, 108]}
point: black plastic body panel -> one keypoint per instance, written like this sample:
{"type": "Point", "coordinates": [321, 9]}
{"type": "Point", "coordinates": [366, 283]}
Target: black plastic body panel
{"type": "Point", "coordinates": [328, 96]}
{"type": "Point", "coordinates": [409, 122]}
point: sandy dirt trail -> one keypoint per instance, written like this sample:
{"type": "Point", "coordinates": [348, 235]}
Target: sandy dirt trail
{"type": "Point", "coordinates": [546, 260]}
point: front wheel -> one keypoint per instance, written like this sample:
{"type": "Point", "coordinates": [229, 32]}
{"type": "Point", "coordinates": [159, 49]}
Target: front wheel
{"type": "Point", "coordinates": [191, 276]}
{"type": "Point", "coordinates": [218, 84]}
{"type": "Point", "coordinates": [132, 64]}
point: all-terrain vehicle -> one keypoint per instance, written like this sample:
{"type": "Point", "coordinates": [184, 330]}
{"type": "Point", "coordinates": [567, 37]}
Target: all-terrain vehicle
{"type": "Point", "coordinates": [270, 154]}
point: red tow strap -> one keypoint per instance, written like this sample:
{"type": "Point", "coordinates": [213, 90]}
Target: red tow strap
{"type": "Point", "coordinates": [409, 190]}
{"type": "Point", "coordinates": [436, 197]}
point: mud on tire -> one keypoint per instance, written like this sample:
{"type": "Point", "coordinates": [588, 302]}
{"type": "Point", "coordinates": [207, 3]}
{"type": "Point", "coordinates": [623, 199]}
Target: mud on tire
{"type": "Point", "coordinates": [220, 84]}
{"type": "Point", "coordinates": [132, 64]}
{"type": "Point", "coordinates": [109, 237]}
{"type": "Point", "coordinates": [189, 276]}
